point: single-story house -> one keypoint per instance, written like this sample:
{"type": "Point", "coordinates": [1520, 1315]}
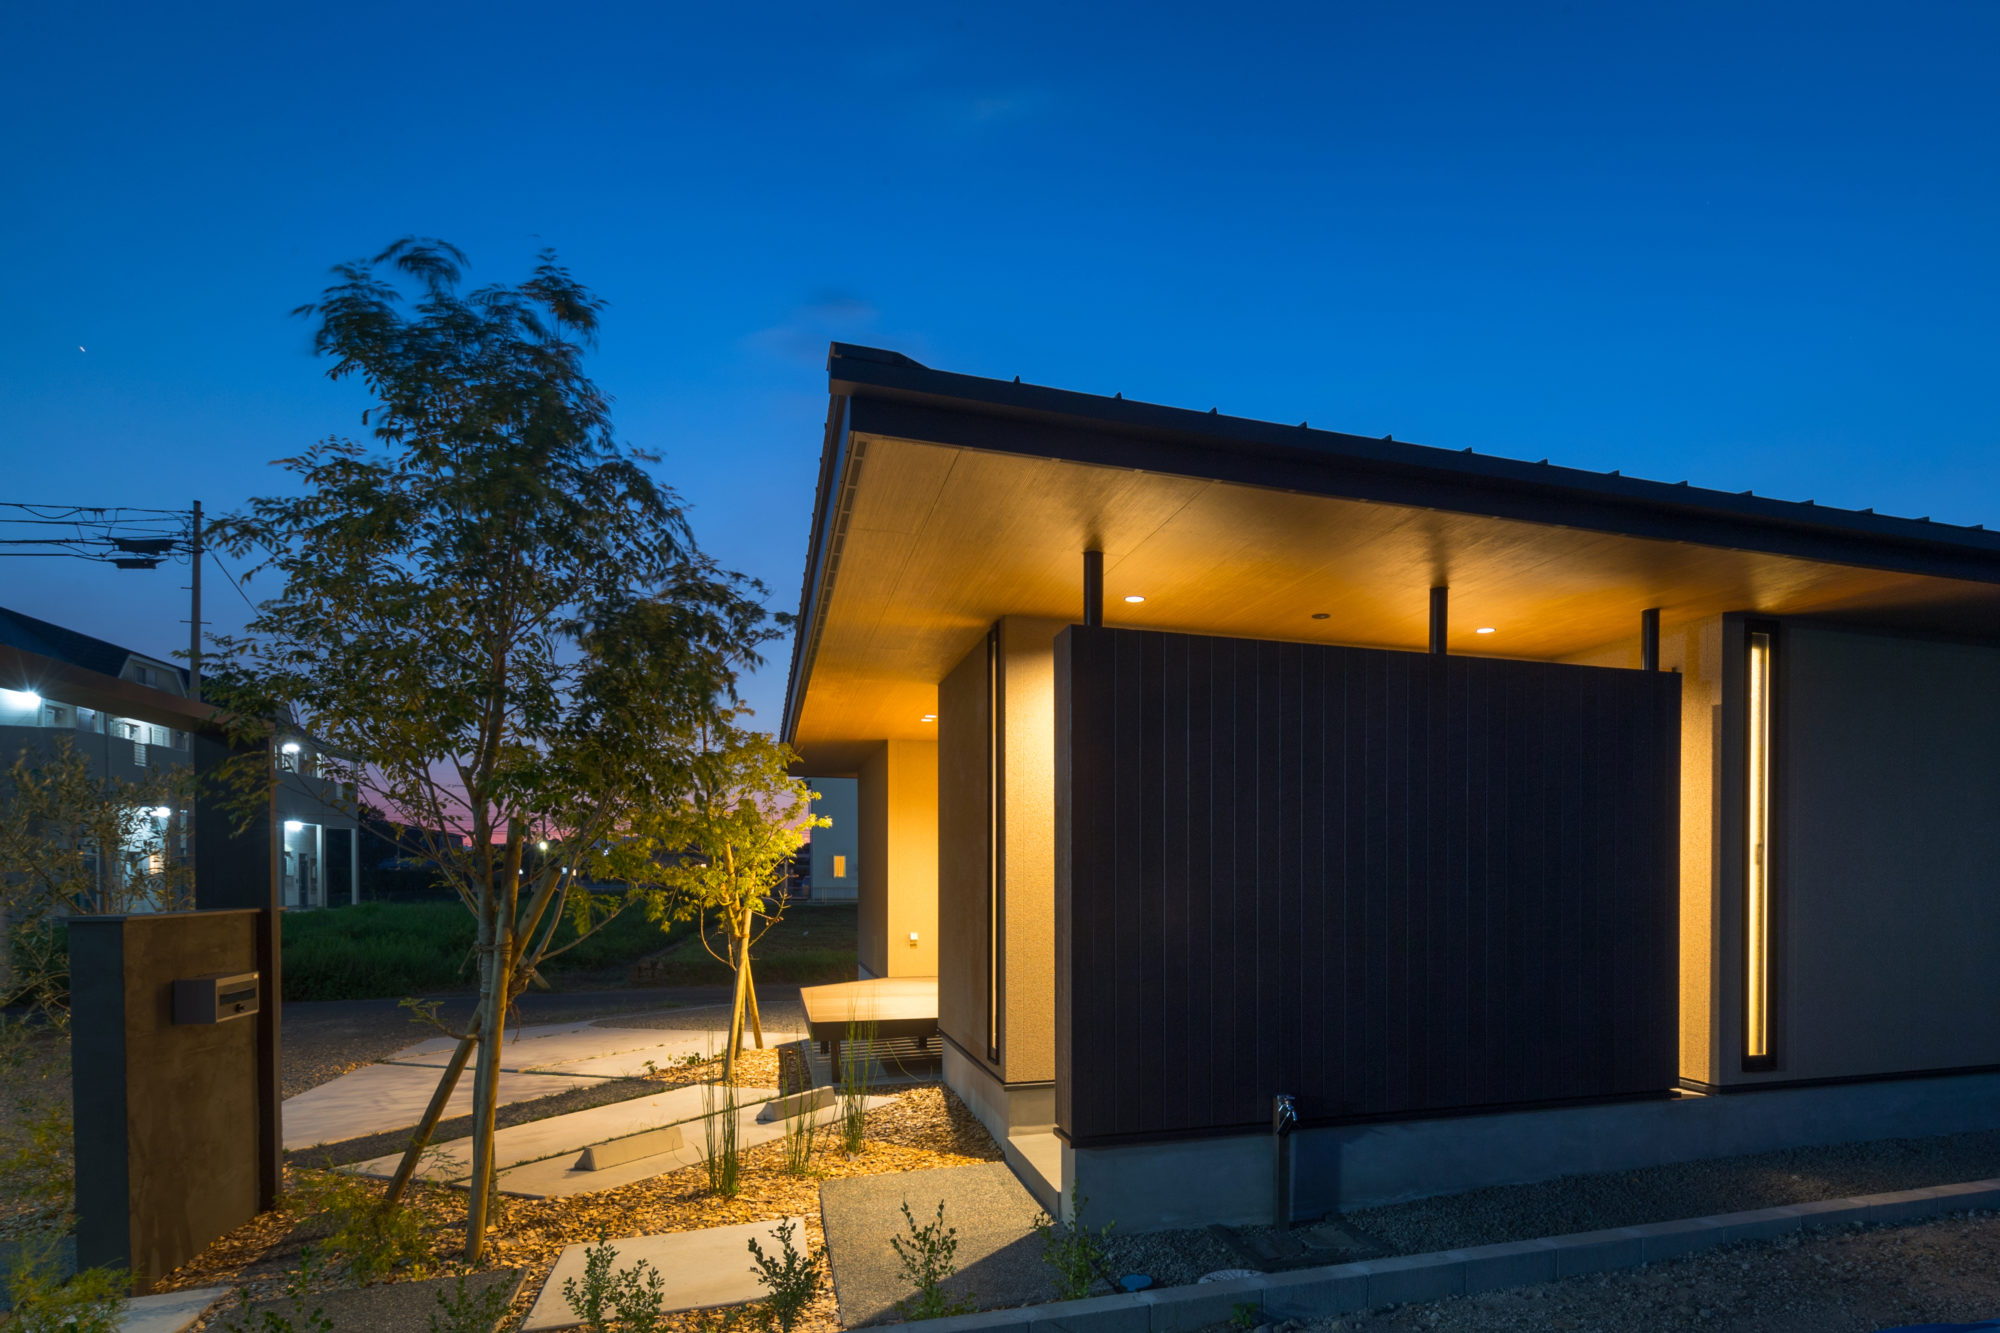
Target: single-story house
{"type": "Point", "coordinates": [1512, 820]}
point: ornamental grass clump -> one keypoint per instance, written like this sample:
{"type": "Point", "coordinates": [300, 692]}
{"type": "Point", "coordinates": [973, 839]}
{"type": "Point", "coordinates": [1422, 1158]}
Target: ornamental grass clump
{"type": "Point", "coordinates": [857, 1070]}
{"type": "Point", "coordinates": [720, 1129]}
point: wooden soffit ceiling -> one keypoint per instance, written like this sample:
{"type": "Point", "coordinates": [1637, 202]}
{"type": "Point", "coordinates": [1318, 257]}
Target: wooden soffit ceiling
{"type": "Point", "coordinates": [941, 541]}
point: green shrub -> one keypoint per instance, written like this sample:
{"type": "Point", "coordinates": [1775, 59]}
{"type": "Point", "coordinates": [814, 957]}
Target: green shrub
{"type": "Point", "coordinates": [90, 1302]}
{"type": "Point", "coordinates": [1075, 1252]}
{"type": "Point", "coordinates": [929, 1256]}
{"type": "Point", "coordinates": [792, 1277]}
{"type": "Point", "coordinates": [370, 1240]}
{"type": "Point", "coordinates": [472, 1310]}
{"type": "Point", "coordinates": [630, 1299]}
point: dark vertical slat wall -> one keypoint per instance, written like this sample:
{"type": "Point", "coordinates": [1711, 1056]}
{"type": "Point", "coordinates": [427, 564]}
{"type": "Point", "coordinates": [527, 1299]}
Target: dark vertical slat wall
{"type": "Point", "coordinates": [1382, 882]}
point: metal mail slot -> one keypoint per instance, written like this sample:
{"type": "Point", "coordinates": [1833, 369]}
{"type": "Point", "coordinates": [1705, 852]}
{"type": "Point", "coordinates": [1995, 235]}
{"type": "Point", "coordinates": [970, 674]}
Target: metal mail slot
{"type": "Point", "coordinates": [215, 998]}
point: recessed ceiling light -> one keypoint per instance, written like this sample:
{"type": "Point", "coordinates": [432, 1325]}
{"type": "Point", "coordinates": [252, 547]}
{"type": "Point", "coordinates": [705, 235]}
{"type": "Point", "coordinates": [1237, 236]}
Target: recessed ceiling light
{"type": "Point", "coordinates": [1135, 597]}
{"type": "Point", "coordinates": [1320, 615]}
{"type": "Point", "coordinates": [1484, 629]}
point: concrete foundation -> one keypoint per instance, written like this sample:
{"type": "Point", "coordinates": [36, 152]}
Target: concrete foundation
{"type": "Point", "coordinates": [1149, 1187]}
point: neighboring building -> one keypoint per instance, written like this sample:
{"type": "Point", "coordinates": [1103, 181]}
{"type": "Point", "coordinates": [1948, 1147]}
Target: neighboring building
{"type": "Point", "coordinates": [319, 863]}
{"type": "Point", "coordinates": [1515, 820]}
{"type": "Point", "coordinates": [836, 864]}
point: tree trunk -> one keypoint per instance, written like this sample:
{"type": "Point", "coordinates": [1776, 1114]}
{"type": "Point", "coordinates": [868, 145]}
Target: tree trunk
{"type": "Point", "coordinates": [741, 953]}
{"type": "Point", "coordinates": [432, 1114]}
{"type": "Point", "coordinates": [750, 994]}
{"type": "Point", "coordinates": [485, 1088]}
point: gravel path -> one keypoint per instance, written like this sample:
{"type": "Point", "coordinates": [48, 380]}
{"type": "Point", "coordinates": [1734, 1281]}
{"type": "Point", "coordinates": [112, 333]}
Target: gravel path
{"type": "Point", "coordinates": [1848, 1281]}
{"type": "Point", "coordinates": [323, 1039]}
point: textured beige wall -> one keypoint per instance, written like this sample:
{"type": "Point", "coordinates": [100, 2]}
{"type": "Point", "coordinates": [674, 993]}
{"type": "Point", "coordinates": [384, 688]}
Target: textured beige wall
{"type": "Point", "coordinates": [1026, 686]}
{"type": "Point", "coordinates": [1028, 675]}
{"type": "Point", "coordinates": [965, 820]}
{"type": "Point", "coordinates": [898, 793]}
{"type": "Point", "coordinates": [1694, 650]}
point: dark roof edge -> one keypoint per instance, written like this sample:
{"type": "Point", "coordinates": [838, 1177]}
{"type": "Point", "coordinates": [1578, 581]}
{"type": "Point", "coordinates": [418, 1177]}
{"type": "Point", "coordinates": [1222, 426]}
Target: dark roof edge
{"type": "Point", "coordinates": [867, 372]}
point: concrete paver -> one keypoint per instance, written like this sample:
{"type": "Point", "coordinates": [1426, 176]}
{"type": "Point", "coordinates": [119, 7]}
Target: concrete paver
{"type": "Point", "coordinates": [375, 1098]}
{"type": "Point", "coordinates": [701, 1269]}
{"type": "Point", "coordinates": [571, 1133]}
{"type": "Point", "coordinates": [559, 1177]}
{"type": "Point", "coordinates": [168, 1312]}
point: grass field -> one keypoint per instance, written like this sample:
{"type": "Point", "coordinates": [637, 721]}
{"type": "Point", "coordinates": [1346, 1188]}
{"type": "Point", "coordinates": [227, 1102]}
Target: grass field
{"type": "Point", "coordinates": [811, 945]}
{"type": "Point", "coordinates": [388, 950]}
{"type": "Point", "coordinates": [373, 950]}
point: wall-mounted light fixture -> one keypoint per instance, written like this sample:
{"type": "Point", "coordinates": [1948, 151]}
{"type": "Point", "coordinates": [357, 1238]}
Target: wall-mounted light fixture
{"type": "Point", "coordinates": [162, 812]}
{"type": "Point", "coordinates": [295, 826]}
{"type": "Point", "coordinates": [1484, 629]}
{"type": "Point", "coordinates": [20, 699]}
{"type": "Point", "coordinates": [291, 747]}
{"type": "Point", "coordinates": [1135, 597]}
{"type": "Point", "coordinates": [930, 717]}
{"type": "Point", "coordinates": [1757, 850]}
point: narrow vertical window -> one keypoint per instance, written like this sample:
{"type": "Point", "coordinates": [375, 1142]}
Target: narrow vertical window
{"type": "Point", "coordinates": [1757, 854]}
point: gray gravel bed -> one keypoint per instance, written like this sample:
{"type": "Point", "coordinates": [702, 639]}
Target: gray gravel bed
{"type": "Point", "coordinates": [516, 1113]}
{"type": "Point", "coordinates": [1591, 1203]}
{"type": "Point", "coordinates": [1685, 1189]}
{"type": "Point", "coordinates": [323, 1039]}
{"type": "Point", "coordinates": [1852, 1280]}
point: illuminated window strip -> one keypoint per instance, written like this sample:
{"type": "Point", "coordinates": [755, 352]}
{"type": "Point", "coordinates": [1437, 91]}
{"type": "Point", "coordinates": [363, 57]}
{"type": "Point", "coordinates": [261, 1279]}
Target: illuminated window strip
{"type": "Point", "coordinates": [1757, 844]}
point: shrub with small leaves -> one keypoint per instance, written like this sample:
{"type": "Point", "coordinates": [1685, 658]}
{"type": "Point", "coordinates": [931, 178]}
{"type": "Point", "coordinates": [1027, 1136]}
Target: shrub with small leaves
{"type": "Point", "coordinates": [472, 1309]}
{"type": "Point", "coordinates": [371, 1239]}
{"type": "Point", "coordinates": [929, 1256]}
{"type": "Point", "coordinates": [630, 1298]}
{"type": "Point", "coordinates": [1074, 1251]}
{"type": "Point", "coordinates": [792, 1277]}
{"type": "Point", "coordinates": [90, 1302]}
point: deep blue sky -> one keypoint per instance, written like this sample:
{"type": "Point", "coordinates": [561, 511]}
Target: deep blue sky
{"type": "Point", "coordinates": [1748, 245]}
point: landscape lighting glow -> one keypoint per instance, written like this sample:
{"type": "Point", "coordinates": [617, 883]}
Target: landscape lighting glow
{"type": "Point", "coordinates": [1757, 867]}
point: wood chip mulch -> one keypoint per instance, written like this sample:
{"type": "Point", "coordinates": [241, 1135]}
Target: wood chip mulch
{"type": "Point", "coordinates": [925, 1127]}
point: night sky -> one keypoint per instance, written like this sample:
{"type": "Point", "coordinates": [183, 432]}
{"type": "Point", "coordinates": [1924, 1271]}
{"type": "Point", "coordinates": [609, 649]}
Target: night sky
{"type": "Point", "coordinates": [1747, 245]}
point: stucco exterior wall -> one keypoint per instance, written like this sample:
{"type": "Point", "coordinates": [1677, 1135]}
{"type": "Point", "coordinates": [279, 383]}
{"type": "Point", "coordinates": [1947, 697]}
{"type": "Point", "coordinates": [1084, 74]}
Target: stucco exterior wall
{"type": "Point", "coordinates": [1888, 855]}
{"type": "Point", "coordinates": [897, 817]}
{"type": "Point", "coordinates": [964, 849]}
{"type": "Point", "coordinates": [1024, 984]}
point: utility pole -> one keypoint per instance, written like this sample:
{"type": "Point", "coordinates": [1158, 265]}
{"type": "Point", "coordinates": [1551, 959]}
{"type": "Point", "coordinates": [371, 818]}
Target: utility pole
{"type": "Point", "coordinates": [194, 611]}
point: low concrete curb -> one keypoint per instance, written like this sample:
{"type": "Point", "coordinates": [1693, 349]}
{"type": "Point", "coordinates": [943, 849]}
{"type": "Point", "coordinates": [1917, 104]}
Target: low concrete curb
{"type": "Point", "coordinates": [1319, 1293]}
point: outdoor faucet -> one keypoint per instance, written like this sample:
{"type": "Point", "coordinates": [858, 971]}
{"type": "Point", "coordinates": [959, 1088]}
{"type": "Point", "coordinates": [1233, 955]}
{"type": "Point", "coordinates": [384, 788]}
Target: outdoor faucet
{"type": "Point", "coordinates": [1284, 1119]}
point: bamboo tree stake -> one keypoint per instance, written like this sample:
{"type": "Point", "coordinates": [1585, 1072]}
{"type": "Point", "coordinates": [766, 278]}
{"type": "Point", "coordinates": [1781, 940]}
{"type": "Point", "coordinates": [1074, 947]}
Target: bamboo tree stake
{"type": "Point", "coordinates": [432, 1114]}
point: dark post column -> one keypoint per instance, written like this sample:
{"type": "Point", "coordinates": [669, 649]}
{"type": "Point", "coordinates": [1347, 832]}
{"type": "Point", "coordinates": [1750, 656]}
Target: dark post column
{"type": "Point", "coordinates": [1649, 639]}
{"type": "Point", "coordinates": [1093, 588]}
{"type": "Point", "coordinates": [238, 867]}
{"type": "Point", "coordinates": [1440, 598]}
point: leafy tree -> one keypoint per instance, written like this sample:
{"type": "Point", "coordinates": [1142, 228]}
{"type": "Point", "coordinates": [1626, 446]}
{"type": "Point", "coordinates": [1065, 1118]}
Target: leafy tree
{"type": "Point", "coordinates": [498, 608]}
{"type": "Point", "coordinates": [71, 844]}
{"type": "Point", "coordinates": [733, 838]}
